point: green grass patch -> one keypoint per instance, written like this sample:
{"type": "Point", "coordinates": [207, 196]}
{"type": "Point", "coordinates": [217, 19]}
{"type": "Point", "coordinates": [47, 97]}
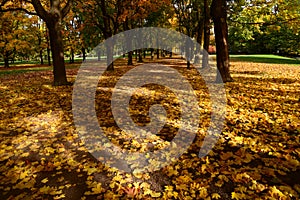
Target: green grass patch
{"type": "Point", "coordinates": [265, 58]}
{"type": "Point", "coordinates": [32, 69]}
{"type": "Point", "coordinates": [24, 70]}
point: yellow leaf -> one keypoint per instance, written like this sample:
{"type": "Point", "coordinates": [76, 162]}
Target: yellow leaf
{"type": "Point", "coordinates": [45, 189]}
{"type": "Point", "coordinates": [237, 196]}
{"type": "Point", "coordinates": [98, 189]}
{"type": "Point", "coordinates": [215, 196]}
{"type": "Point", "coordinates": [155, 194]}
{"type": "Point", "coordinates": [23, 174]}
{"type": "Point", "coordinates": [45, 180]}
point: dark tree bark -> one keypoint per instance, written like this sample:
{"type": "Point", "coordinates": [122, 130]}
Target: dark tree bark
{"type": "Point", "coordinates": [189, 52]}
{"type": "Point", "coordinates": [219, 15]}
{"type": "Point", "coordinates": [83, 54]}
{"type": "Point", "coordinates": [53, 19]}
{"type": "Point", "coordinates": [72, 55]}
{"type": "Point", "coordinates": [128, 43]}
{"type": "Point", "coordinates": [130, 62]}
{"type": "Point", "coordinates": [152, 53]}
{"type": "Point", "coordinates": [109, 25]}
{"type": "Point", "coordinates": [140, 58]}
{"type": "Point", "coordinates": [109, 54]}
{"type": "Point", "coordinates": [99, 54]}
{"type": "Point", "coordinates": [49, 56]}
{"type": "Point", "coordinates": [41, 57]}
{"type": "Point", "coordinates": [48, 49]}
{"type": "Point", "coordinates": [206, 34]}
{"type": "Point", "coordinates": [199, 37]}
{"type": "Point", "coordinates": [57, 50]}
{"type": "Point", "coordinates": [6, 62]}
{"type": "Point", "coordinates": [41, 50]}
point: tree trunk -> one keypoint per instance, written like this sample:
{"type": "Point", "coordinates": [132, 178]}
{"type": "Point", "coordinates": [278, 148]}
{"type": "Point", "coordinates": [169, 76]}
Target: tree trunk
{"type": "Point", "coordinates": [140, 58]}
{"type": "Point", "coordinates": [57, 50]}
{"type": "Point", "coordinates": [48, 48]}
{"type": "Point", "coordinates": [72, 56]}
{"type": "Point", "coordinates": [152, 53]}
{"type": "Point", "coordinates": [41, 57]}
{"type": "Point", "coordinates": [219, 15]}
{"type": "Point", "coordinates": [6, 62]}
{"type": "Point", "coordinates": [99, 54]}
{"type": "Point", "coordinates": [110, 56]}
{"type": "Point", "coordinates": [189, 52]}
{"type": "Point", "coordinates": [41, 50]}
{"type": "Point", "coordinates": [130, 58]}
{"type": "Point", "coordinates": [83, 54]}
{"type": "Point", "coordinates": [206, 34]}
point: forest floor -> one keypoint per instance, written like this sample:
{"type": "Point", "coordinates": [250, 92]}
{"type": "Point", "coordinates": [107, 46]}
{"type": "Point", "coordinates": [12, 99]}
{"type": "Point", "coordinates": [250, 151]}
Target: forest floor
{"type": "Point", "coordinates": [257, 156]}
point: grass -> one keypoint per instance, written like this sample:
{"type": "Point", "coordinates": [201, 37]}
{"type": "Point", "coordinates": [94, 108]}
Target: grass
{"type": "Point", "coordinates": [31, 68]}
{"type": "Point", "coordinates": [20, 71]}
{"type": "Point", "coordinates": [20, 67]}
{"type": "Point", "coordinates": [265, 58]}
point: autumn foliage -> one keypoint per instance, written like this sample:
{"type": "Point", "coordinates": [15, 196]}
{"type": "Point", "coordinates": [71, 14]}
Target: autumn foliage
{"type": "Point", "coordinates": [257, 156]}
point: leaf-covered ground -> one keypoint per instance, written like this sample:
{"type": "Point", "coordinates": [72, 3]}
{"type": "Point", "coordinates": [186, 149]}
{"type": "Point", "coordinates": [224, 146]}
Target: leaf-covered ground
{"type": "Point", "coordinates": [257, 156]}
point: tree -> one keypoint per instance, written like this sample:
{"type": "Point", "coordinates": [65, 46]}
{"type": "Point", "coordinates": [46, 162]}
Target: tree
{"type": "Point", "coordinates": [52, 15]}
{"type": "Point", "coordinates": [206, 30]}
{"type": "Point", "coordinates": [39, 41]}
{"type": "Point", "coordinates": [15, 35]}
{"type": "Point", "coordinates": [187, 14]}
{"type": "Point", "coordinates": [219, 16]}
{"type": "Point", "coordinates": [113, 16]}
{"type": "Point", "coordinates": [264, 27]}
{"type": "Point", "coordinates": [105, 15]}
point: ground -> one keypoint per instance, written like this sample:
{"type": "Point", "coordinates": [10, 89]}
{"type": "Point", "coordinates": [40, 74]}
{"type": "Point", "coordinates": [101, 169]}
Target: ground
{"type": "Point", "coordinates": [257, 156]}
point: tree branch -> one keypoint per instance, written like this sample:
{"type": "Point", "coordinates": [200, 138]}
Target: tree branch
{"type": "Point", "coordinates": [67, 8]}
{"type": "Point", "coordinates": [41, 12]}
{"type": "Point", "coordinates": [18, 9]}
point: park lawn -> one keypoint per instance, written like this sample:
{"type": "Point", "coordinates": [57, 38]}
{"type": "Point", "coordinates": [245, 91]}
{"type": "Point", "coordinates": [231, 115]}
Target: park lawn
{"type": "Point", "coordinates": [24, 68]}
{"type": "Point", "coordinates": [257, 156]}
{"type": "Point", "coordinates": [265, 58]}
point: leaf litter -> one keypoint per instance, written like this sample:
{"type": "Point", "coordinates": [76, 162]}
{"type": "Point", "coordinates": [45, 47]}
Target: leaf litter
{"type": "Point", "coordinates": [257, 156]}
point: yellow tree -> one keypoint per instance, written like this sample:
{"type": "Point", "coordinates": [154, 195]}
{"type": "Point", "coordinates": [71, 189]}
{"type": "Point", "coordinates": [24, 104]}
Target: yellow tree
{"type": "Point", "coordinates": [15, 35]}
{"type": "Point", "coordinates": [52, 13]}
{"type": "Point", "coordinates": [113, 16]}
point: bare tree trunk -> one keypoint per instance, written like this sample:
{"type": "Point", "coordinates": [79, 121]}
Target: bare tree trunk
{"type": "Point", "coordinates": [48, 49]}
{"type": "Point", "coordinates": [152, 53]}
{"type": "Point", "coordinates": [99, 54]}
{"type": "Point", "coordinates": [57, 50]}
{"type": "Point", "coordinates": [72, 56]}
{"type": "Point", "coordinates": [109, 53]}
{"type": "Point", "coordinates": [219, 15]}
{"type": "Point", "coordinates": [206, 34]}
{"type": "Point", "coordinates": [6, 62]}
{"type": "Point", "coordinates": [41, 57]}
{"type": "Point", "coordinates": [140, 58]}
{"type": "Point", "coordinates": [41, 50]}
{"type": "Point", "coordinates": [130, 58]}
{"type": "Point", "coordinates": [83, 54]}
{"type": "Point", "coordinates": [199, 35]}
